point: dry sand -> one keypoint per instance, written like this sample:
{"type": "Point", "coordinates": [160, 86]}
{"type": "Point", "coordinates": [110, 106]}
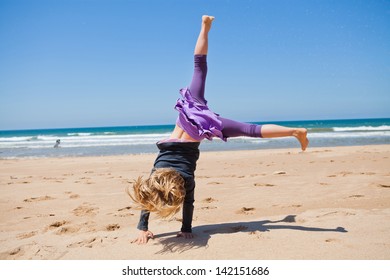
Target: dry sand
{"type": "Point", "coordinates": [325, 203]}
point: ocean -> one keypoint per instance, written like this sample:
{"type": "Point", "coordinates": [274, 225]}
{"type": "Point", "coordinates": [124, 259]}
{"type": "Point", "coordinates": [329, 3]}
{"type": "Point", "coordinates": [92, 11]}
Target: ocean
{"type": "Point", "coordinates": [102, 141]}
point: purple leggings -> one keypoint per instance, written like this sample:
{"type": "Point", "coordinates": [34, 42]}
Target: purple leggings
{"type": "Point", "coordinates": [231, 128]}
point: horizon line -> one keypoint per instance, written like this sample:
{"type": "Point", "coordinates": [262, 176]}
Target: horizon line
{"type": "Point", "coordinates": [172, 124]}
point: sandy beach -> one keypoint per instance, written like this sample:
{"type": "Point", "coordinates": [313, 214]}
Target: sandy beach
{"type": "Point", "coordinates": [325, 203]}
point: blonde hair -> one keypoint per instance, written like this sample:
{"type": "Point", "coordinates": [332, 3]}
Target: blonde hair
{"type": "Point", "coordinates": [163, 192]}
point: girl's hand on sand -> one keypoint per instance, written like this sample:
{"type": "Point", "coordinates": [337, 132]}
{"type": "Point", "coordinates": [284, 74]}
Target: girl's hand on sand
{"type": "Point", "coordinates": [186, 235]}
{"type": "Point", "coordinates": [143, 237]}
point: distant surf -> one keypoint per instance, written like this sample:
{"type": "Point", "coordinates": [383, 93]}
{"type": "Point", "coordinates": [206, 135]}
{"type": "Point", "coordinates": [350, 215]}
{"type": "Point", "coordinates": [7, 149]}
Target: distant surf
{"type": "Point", "coordinates": [101, 141]}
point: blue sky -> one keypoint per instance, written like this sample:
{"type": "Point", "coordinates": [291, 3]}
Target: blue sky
{"type": "Point", "coordinates": [122, 62]}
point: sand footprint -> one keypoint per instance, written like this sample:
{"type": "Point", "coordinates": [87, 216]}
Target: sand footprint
{"type": "Point", "coordinates": [85, 180]}
{"type": "Point", "coordinates": [246, 210]}
{"type": "Point", "coordinates": [367, 173]}
{"type": "Point", "coordinates": [89, 243]}
{"type": "Point", "coordinates": [342, 173]}
{"type": "Point", "coordinates": [256, 234]}
{"type": "Point", "coordinates": [296, 205]}
{"type": "Point", "coordinates": [257, 175]}
{"type": "Point", "coordinates": [263, 185]}
{"type": "Point", "coordinates": [25, 182]}
{"type": "Point", "coordinates": [72, 195]}
{"type": "Point", "coordinates": [54, 179]}
{"type": "Point", "coordinates": [208, 207]}
{"type": "Point", "coordinates": [356, 196]}
{"type": "Point", "coordinates": [57, 224]}
{"type": "Point", "coordinates": [68, 230]}
{"type": "Point", "coordinates": [209, 200]}
{"type": "Point", "coordinates": [112, 227]}
{"type": "Point", "coordinates": [279, 172]}
{"type": "Point", "coordinates": [345, 173]}
{"type": "Point", "coordinates": [41, 198]}
{"type": "Point", "coordinates": [329, 240]}
{"type": "Point", "coordinates": [343, 213]}
{"type": "Point", "coordinates": [123, 212]}
{"type": "Point", "coordinates": [214, 183]}
{"type": "Point", "coordinates": [124, 208]}
{"type": "Point", "coordinates": [85, 210]}
{"type": "Point", "coordinates": [17, 252]}
{"type": "Point", "coordinates": [27, 235]}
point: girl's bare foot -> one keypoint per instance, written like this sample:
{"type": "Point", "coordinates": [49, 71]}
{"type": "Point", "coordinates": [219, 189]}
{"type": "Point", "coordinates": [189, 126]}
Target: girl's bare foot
{"type": "Point", "coordinates": [206, 21]}
{"type": "Point", "coordinates": [301, 135]}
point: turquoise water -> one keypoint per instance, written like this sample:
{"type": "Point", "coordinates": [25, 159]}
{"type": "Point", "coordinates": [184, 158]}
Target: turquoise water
{"type": "Point", "coordinates": [99, 141]}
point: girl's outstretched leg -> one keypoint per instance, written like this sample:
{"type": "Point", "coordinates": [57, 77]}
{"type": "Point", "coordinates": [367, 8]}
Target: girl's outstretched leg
{"type": "Point", "coordinates": [202, 43]}
{"type": "Point", "coordinates": [274, 131]}
{"type": "Point", "coordinates": [233, 128]}
{"type": "Point", "coordinates": [197, 86]}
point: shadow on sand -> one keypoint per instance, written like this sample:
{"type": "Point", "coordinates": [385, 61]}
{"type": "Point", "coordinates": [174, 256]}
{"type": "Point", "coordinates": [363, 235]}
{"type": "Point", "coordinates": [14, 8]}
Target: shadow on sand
{"type": "Point", "coordinates": [173, 244]}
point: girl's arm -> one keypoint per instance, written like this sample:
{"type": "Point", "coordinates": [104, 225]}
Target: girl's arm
{"type": "Point", "coordinates": [144, 220]}
{"type": "Point", "coordinates": [188, 209]}
{"type": "Point", "coordinates": [144, 234]}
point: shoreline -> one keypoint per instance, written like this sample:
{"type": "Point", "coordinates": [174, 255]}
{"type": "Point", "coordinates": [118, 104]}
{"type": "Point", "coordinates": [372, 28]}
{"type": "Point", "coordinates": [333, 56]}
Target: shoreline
{"type": "Point", "coordinates": [142, 139]}
{"type": "Point", "coordinates": [291, 148]}
{"type": "Point", "coordinates": [266, 204]}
